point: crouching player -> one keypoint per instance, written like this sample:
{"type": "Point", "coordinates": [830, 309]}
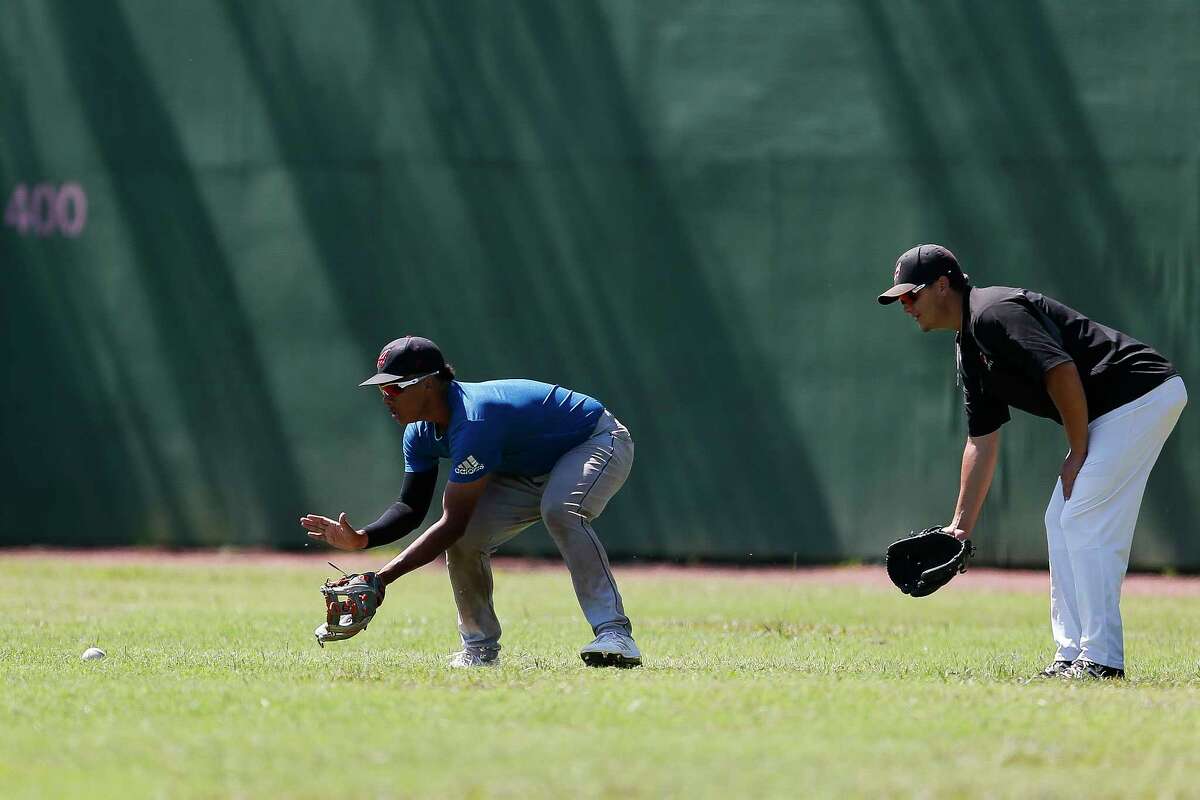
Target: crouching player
{"type": "Point", "coordinates": [520, 451]}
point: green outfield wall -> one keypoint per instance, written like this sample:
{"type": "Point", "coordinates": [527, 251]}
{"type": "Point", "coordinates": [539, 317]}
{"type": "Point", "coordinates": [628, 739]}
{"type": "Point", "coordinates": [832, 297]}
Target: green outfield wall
{"type": "Point", "coordinates": [217, 212]}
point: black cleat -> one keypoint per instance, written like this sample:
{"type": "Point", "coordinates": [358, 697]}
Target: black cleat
{"type": "Point", "coordinates": [1057, 669]}
{"type": "Point", "coordinates": [1086, 669]}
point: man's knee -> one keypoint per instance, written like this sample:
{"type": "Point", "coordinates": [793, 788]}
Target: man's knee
{"type": "Point", "coordinates": [1053, 518]}
{"type": "Point", "coordinates": [562, 516]}
{"type": "Point", "coordinates": [465, 552]}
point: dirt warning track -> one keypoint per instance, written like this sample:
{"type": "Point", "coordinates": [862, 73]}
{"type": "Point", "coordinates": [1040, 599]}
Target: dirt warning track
{"type": "Point", "coordinates": [977, 579]}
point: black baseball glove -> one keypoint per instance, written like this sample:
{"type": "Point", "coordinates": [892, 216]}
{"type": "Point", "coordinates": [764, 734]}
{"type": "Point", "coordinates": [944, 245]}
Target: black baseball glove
{"type": "Point", "coordinates": [926, 561]}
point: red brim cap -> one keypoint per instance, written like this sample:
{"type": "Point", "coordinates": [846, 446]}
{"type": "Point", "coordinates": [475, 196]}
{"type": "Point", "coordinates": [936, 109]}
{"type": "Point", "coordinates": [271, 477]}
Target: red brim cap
{"type": "Point", "coordinates": [893, 294]}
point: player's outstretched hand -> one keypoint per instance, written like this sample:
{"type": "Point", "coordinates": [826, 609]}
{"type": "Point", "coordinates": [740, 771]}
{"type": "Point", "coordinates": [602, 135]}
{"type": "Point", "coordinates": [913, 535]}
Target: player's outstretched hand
{"type": "Point", "coordinates": [335, 533]}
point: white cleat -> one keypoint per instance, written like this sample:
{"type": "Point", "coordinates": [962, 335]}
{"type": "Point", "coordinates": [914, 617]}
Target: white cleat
{"type": "Point", "coordinates": [612, 649]}
{"type": "Point", "coordinates": [468, 657]}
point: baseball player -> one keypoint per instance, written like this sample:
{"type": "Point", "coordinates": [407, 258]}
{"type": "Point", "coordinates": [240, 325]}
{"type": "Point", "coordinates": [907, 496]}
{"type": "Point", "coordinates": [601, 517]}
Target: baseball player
{"type": "Point", "coordinates": [1117, 400]}
{"type": "Point", "coordinates": [519, 451]}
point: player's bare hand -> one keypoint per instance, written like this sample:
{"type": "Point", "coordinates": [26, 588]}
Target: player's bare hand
{"type": "Point", "coordinates": [957, 533]}
{"type": "Point", "coordinates": [1070, 471]}
{"type": "Point", "coordinates": [334, 532]}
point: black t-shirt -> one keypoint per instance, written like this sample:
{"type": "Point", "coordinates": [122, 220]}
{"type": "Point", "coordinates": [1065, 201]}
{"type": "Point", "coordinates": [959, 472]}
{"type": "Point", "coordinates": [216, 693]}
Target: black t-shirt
{"type": "Point", "coordinates": [1011, 337]}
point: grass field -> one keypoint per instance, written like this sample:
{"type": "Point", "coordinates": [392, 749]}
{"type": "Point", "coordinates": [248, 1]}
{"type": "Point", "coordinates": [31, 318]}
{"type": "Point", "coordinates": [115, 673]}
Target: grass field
{"type": "Point", "coordinates": [214, 687]}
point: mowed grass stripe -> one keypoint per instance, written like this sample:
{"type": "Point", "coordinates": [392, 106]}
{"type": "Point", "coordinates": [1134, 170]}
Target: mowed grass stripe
{"type": "Point", "coordinates": [214, 687]}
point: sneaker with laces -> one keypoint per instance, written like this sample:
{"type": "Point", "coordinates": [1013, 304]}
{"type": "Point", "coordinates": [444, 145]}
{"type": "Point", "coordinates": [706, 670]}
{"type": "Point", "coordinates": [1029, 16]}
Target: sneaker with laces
{"type": "Point", "coordinates": [1090, 670]}
{"type": "Point", "coordinates": [612, 649]}
{"type": "Point", "coordinates": [472, 657]}
{"type": "Point", "coordinates": [1057, 669]}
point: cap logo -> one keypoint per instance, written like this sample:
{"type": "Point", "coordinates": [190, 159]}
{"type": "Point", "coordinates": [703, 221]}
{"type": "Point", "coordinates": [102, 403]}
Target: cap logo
{"type": "Point", "coordinates": [896, 274]}
{"type": "Point", "coordinates": [383, 355]}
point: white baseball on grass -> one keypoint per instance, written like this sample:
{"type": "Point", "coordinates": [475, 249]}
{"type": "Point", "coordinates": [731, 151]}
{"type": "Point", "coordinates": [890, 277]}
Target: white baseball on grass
{"type": "Point", "coordinates": [93, 654]}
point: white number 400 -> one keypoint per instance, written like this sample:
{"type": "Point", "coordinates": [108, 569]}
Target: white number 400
{"type": "Point", "coordinates": [45, 209]}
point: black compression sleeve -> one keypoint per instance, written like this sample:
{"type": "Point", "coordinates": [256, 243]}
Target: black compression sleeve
{"type": "Point", "coordinates": [403, 516]}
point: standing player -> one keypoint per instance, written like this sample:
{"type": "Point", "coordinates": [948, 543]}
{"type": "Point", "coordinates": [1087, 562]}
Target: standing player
{"type": "Point", "coordinates": [1117, 400]}
{"type": "Point", "coordinates": [519, 451]}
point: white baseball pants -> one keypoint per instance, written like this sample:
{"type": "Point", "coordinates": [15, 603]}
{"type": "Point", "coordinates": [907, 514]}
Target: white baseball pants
{"type": "Point", "coordinates": [1090, 535]}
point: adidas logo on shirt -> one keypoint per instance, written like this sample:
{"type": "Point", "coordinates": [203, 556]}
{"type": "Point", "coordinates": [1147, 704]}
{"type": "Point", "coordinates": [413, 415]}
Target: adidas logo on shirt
{"type": "Point", "coordinates": [469, 466]}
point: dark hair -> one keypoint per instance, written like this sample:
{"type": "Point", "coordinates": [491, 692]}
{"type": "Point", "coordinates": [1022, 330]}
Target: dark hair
{"type": "Point", "coordinates": [959, 281]}
{"type": "Point", "coordinates": [446, 373]}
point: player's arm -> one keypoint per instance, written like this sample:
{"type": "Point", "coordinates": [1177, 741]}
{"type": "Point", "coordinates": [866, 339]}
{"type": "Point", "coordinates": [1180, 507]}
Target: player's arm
{"type": "Point", "coordinates": [1066, 390]}
{"type": "Point", "coordinates": [986, 413]}
{"type": "Point", "coordinates": [408, 512]}
{"type": "Point", "coordinates": [978, 467]}
{"type": "Point", "coordinates": [401, 517]}
{"type": "Point", "coordinates": [458, 505]}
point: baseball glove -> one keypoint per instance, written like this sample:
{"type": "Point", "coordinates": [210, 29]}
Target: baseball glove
{"type": "Point", "coordinates": [924, 562]}
{"type": "Point", "coordinates": [350, 604]}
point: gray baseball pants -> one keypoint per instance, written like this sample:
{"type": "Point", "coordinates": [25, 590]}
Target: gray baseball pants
{"type": "Point", "coordinates": [566, 499]}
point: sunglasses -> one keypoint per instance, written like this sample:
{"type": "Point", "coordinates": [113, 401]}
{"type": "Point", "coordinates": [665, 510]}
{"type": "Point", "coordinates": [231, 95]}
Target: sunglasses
{"type": "Point", "coordinates": [395, 388]}
{"type": "Point", "coordinates": [911, 294]}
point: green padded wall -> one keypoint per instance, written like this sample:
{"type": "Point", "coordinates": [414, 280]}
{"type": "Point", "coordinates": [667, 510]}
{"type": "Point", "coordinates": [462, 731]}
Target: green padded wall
{"type": "Point", "coordinates": [683, 208]}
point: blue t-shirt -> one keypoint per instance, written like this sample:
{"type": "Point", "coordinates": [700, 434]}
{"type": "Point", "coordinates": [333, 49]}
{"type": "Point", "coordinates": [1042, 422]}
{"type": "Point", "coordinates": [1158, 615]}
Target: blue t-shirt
{"type": "Point", "coordinates": [514, 427]}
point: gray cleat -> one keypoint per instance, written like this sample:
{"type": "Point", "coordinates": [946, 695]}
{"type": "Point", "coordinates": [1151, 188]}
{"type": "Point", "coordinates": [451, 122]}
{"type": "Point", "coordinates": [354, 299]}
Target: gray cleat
{"type": "Point", "coordinates": [474, 657]}
{"type": "Point", "coordinates": [612, 649]}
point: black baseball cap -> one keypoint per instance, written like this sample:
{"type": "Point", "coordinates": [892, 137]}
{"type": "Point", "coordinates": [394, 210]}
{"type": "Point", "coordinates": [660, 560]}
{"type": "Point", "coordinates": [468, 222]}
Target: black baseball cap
{"type": "Point", "coordinates": [920, 266]}
{"type": "Point", "coordinates": [404, 359]}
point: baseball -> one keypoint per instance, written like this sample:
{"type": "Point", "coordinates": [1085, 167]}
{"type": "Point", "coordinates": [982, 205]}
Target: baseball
{"type": "Point", "coordinates": [92, 654]}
